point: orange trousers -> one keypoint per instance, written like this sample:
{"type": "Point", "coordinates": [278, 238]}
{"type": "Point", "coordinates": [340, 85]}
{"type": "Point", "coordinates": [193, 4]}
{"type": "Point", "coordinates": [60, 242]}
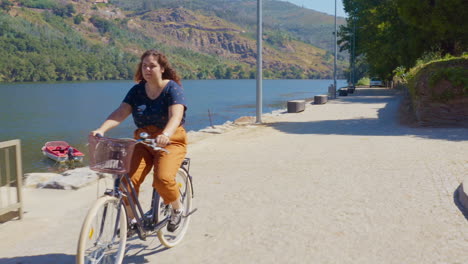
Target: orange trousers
{"type": "Point", "coordinates": [165, 165]}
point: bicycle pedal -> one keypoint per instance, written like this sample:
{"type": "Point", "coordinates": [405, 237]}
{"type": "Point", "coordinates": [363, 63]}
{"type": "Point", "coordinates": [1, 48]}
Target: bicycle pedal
{"type": "Point", "coordinates": [109, 192]}
{"type": "Point", "coordinates": [131, 233]}
{"type": "Point", "coordinates": [191, 212]}
{"type": "Point", "coordinates": [132, 230]}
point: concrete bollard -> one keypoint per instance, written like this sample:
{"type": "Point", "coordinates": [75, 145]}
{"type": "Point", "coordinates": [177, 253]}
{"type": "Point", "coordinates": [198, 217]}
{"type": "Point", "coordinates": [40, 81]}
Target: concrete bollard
{"type": "Point", "coordinates": [320, 99]}
{"type": "Point", "coordinates": [296, 106]}
{"type": "Point", "coordinates": [343, 92]}
{"type": "Point", "coordinates": [331, 91]}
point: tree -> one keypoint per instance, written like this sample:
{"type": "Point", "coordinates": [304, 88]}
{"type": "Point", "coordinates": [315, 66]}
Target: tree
{"type": "Point", "coordinates": [78, 19]}
{"type": "Point", "coordinates": [70, 10]}
{"type": "Point", "coordinates": [394, 33]}
{"type": "Point", "coordinates": [241, 74]}
{"type": "Point", "coordinates": [148, 5]}
{"type": "Point", "coordinates": [102, 24]}
{"type": "Point", "coordinates": [6, 5]}
{"type": "Point", "coordinates": [445, 21]}
{"type": "Point", "coordinates": [380, 36]}
{"type": "Point", "coordinates": [228, 74]}
{"type": "Point", "coordinates": [219, 72]}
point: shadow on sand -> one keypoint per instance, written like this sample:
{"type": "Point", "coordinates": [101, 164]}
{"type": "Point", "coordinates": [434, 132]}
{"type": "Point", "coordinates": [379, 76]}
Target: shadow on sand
{"type": "Point", "coordinates": [386, 124]}
{"type": "Point", "coordinates": [458, 203]}
{"type": "Point", "coordinates": [137, 251]}
{"type": "Point", "coordinates": [40, 259]}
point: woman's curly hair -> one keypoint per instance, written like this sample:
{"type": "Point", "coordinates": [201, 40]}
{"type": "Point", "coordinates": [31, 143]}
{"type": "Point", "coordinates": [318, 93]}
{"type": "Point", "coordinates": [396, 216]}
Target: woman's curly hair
{"type": "Point", "coordinates": [169, 72]}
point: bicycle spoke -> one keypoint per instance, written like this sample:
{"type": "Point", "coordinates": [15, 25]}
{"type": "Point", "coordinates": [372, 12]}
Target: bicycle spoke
{"type": "Point", "coordinates": [170, 239]}
{"type": "Point", "coordinates": [101, 241]}
{"type": "Point", "coordinates": [102, 222]}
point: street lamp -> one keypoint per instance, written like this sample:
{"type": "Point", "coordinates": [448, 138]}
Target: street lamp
{"type": "Point", "coordinates": [259, 61]}
{"type": "Point", "coordinates": [353, 80]}
{"type": "Point", "coordinates": [334, 63]}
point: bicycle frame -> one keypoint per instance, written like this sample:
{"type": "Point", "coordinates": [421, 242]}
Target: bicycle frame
{"type": "Point", "coordinates": [186, 167]}
{"type": "Point", "coordinates": [122, 191]}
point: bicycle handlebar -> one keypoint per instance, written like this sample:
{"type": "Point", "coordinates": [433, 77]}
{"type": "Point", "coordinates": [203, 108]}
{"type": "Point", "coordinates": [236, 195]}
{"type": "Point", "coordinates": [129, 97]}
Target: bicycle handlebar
{"type": "Point", "coordinates": [151, 142]}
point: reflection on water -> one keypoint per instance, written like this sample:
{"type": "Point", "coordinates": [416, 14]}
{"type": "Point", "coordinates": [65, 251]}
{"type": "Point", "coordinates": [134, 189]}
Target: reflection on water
{"type": "Point", "coordinates": [242, 106]}
{"type": "Point", "coordinates": [59, 167]}
{"type": "Point", "coordinates": [277, 105]}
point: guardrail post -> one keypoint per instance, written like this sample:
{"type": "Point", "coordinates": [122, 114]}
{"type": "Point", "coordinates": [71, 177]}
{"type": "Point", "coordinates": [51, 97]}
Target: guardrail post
{"type": "Point", "coordinates": [6, 176]}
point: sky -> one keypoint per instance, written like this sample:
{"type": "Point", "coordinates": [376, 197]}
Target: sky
{"type": "Point", "coordinates": [325, 6]}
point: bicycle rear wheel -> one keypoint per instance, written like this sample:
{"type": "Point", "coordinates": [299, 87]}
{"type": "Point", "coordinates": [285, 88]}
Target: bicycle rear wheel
{"type": "Point", "coordinates": [170, 239]}
{"type": "Point", "coordinates": [104, 233]}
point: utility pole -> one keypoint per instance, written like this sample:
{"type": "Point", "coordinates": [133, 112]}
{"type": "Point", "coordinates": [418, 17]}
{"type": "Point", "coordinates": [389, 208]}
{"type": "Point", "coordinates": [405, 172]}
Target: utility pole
{"type": "Point", "coordinates": [354, 53]}
{"type": "Point", "coordinates": [334, 64]}
{"type": "Point", "coordinates": [259, 61]}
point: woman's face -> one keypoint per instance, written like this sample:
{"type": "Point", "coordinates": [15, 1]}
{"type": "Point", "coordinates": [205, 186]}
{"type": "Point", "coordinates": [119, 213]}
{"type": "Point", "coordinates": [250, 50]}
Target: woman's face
{"type": "Point", "coordinates": [151, 69]}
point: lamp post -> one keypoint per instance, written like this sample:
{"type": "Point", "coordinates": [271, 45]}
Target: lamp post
{"type": "Point", "coordinates": [353, 80]}
{"type": "Point", "coordinates": [334, 62]}
{"type": "Point", "coordinates": [259, 61]}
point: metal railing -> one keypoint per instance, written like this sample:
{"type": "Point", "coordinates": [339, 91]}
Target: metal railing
{"type": "Point", "coordinates": [11, 180]}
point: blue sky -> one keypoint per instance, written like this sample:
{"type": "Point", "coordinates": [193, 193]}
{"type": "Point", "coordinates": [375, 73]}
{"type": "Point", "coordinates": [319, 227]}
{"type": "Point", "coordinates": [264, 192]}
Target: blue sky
{"type": "Point", "coordinates": [325, 6]}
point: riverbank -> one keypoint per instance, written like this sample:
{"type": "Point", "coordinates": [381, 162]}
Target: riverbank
{"type": "Point", "coordinates": [73, 179]}
{"type": "Point", "coordinates": [342, 182]}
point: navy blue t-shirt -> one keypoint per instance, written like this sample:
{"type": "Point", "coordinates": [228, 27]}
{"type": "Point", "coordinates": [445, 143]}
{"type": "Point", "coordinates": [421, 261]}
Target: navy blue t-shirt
{"type": "Point", "coordinates": [155, 112]}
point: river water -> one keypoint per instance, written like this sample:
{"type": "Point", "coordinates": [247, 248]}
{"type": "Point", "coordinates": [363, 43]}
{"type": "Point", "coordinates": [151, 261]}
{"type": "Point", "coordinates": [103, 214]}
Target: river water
{"type": "Point", "coordinates": [39, 112]}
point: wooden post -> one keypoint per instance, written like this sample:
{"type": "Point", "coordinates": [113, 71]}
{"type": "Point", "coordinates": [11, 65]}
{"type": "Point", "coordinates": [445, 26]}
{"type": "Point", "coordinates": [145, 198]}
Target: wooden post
{"type": "Point", "coordinates": [209, 116]}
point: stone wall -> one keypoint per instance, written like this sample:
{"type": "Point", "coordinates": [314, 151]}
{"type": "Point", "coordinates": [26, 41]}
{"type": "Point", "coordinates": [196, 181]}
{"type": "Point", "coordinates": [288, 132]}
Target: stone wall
{"type": "Point", "coordinates": [440, 103]}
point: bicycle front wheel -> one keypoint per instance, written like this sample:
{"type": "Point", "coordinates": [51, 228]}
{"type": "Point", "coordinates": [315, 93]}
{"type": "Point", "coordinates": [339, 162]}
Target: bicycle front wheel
{"type": "Point", "coordinates": [170, 239]}
{"type": "Point", "coordinates": [104, 233]}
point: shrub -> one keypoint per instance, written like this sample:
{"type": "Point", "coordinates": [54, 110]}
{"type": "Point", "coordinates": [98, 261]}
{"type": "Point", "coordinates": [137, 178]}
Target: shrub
{"type": "Point", "coordinates": [363, 81]}
{"type": "Point", "coordinates": [40, 4]}
{"type": "Point", "coordinates": [78, 19]}
{"type": "Point", "coordinates": [102, 24]}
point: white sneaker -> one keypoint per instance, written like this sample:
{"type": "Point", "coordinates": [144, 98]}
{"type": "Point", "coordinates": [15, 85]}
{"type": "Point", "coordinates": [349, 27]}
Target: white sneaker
{"type": "Point", "coordinates": [175, 220]}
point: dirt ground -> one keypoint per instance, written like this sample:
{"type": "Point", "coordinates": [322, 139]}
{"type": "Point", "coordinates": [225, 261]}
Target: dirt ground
{"type": "Point", "coordinates": [342, 182]}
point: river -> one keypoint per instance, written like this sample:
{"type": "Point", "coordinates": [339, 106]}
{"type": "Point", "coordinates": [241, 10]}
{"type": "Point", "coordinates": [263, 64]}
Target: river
{"type": "Point", "coordinates": [39, 112]}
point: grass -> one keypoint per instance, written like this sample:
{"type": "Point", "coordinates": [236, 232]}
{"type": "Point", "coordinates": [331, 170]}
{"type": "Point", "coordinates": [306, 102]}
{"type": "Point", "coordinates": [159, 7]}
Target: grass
{"type": "Point", "coordinates": [430, 72]}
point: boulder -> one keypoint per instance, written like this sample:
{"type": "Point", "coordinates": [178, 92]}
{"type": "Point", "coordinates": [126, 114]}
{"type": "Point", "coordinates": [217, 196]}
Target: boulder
{"type": "Point", "coordinates": [68, 180]}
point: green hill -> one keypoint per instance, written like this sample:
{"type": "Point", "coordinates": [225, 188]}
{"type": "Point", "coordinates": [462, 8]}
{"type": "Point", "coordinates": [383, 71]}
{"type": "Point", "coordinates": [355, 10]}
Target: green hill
{"type": "Point", "coordinates": [45, 40]}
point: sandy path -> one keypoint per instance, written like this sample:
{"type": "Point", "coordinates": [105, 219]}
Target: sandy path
{"type": "Point", "coordinates": [338, 183]}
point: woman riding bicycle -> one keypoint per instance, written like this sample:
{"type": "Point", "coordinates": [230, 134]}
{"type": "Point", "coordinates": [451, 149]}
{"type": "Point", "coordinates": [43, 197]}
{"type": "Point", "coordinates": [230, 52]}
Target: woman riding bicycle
{"type": "Point", "coordinates": [157, 104]}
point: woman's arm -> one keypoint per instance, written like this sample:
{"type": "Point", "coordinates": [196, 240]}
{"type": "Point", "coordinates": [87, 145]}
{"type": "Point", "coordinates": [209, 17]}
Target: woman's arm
{"type": "Point", "coordinates": [176, 113]}
{"type": "Point", "coordinates": [114, 119]}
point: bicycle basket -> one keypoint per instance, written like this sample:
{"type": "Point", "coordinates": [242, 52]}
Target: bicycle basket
{"type": "Point", "coordinates": [110, 155]}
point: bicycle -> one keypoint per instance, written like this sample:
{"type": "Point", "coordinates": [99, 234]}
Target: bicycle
{"type": "Point", "coordinates": [105, 230]}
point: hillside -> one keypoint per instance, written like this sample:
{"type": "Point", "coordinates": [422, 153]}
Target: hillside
{"type": "Point", "coordinates": [66, 40]}
{"type": "Point", "coordinates": [313, 27]}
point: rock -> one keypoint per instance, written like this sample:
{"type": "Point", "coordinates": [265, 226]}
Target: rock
{"type": "Point", "coordinates": [212, 130]}
{"type": "Point", "coordinates": [33, 179]}
{"type": "Point", "coordinates": [244, 120]}
{"type": "Point", "coordinates": [68, 180]}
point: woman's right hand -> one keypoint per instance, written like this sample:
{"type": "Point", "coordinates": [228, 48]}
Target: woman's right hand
{"type": "Point", "coordinates": [97, 132]}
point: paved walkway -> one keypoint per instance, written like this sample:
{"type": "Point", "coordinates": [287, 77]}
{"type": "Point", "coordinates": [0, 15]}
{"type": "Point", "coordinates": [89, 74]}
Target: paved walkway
{"type": "Point", "coordinates": [338, 183]}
